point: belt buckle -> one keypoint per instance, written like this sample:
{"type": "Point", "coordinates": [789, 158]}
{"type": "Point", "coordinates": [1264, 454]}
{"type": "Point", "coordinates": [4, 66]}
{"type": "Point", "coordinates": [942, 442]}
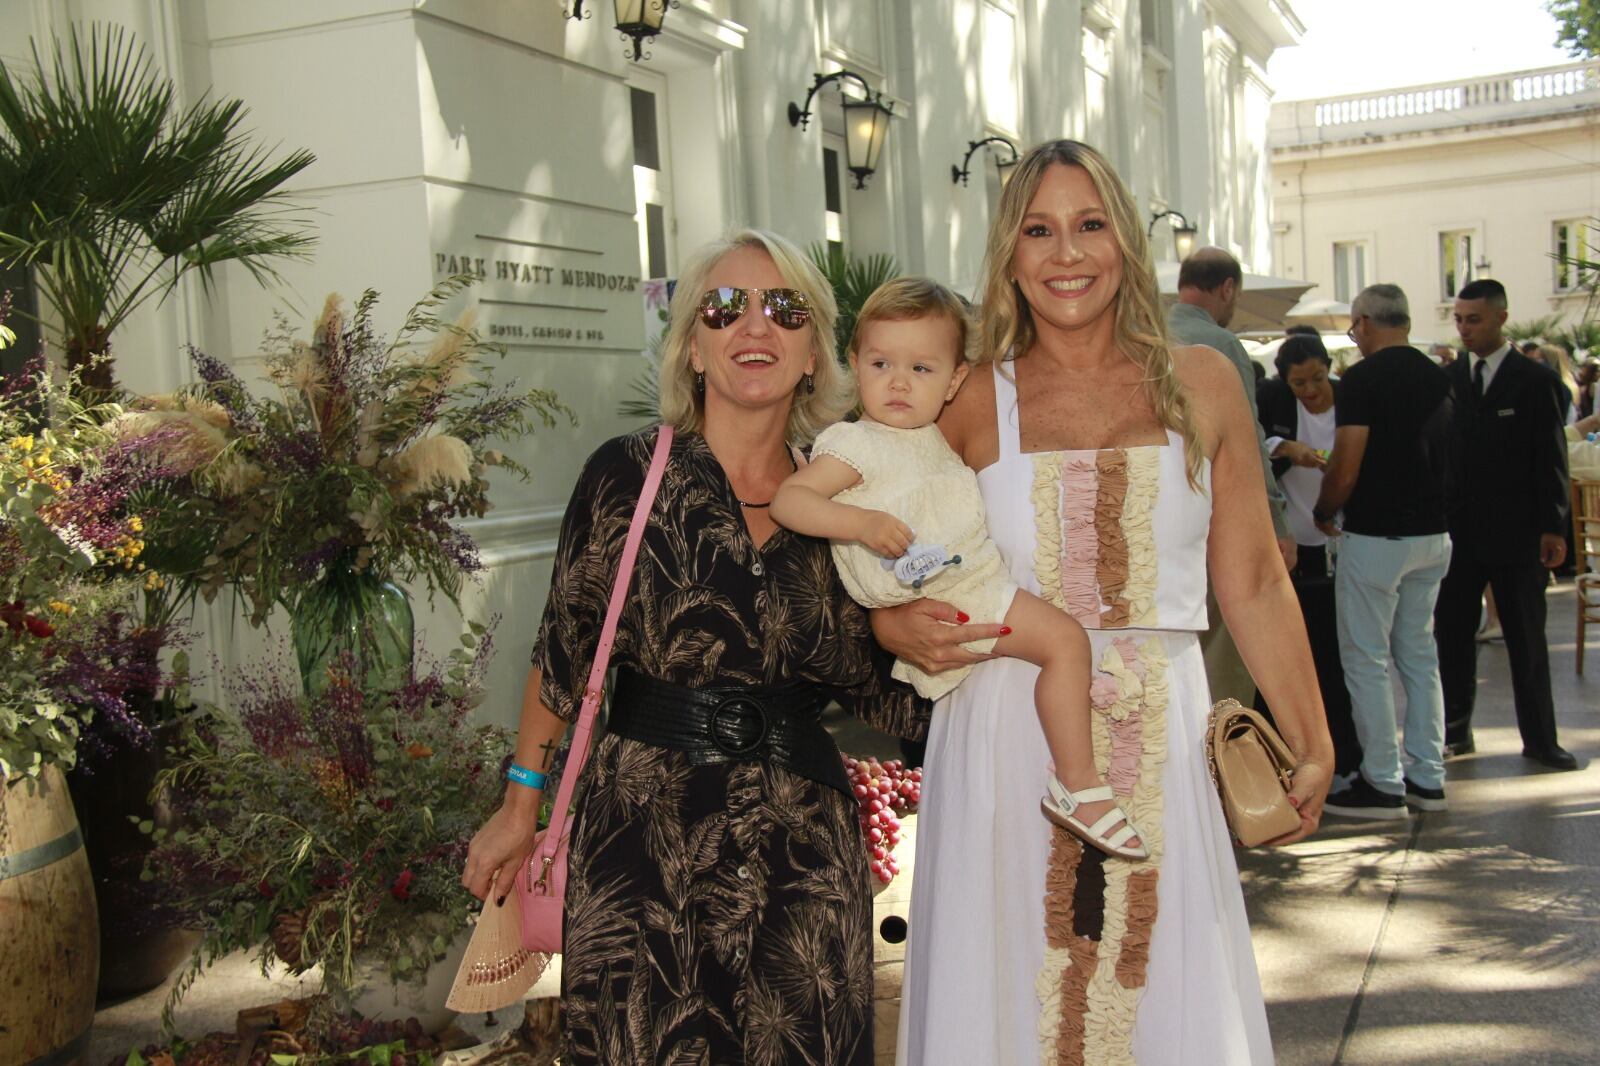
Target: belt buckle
{"type": "Point", "coordinates": [738, 706]}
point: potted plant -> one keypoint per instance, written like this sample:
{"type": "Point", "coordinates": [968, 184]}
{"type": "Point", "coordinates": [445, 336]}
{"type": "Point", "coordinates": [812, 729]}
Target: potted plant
{"type": "Point", "coordinates": [72, 654]}
{"type": "Point", "coordinates": [112, 192]}
{"type": "Point", "coordinates": [356, 476]}
{"type": "Point", "coordinates": [330, 829]}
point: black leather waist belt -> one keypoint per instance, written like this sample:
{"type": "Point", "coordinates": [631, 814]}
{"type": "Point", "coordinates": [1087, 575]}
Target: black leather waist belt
{"type": "Point", "coordinates": [781, 725]}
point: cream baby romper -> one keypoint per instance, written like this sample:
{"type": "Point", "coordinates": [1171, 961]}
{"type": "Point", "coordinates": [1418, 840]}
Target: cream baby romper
{"type": "Point", "coordinates": [915, 476]}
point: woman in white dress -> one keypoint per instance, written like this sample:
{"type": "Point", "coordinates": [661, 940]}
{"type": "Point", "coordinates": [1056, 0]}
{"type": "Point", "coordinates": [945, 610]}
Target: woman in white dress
{"type": "Point", "coordinates": [1113, 469]}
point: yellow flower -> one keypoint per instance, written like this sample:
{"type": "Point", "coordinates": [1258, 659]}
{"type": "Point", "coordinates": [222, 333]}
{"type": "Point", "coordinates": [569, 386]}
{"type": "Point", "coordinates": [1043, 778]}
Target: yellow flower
{"type": "Point", "coordinates": [22, 444]}
{"type": "Point", "coordinates": [154, 581]}
{"type": "Point", "coordinates": [418, 750]}
{"type": "Point", "coordinates": [60, 608]}
{"type": "Point", "coordinates": [136, 524]}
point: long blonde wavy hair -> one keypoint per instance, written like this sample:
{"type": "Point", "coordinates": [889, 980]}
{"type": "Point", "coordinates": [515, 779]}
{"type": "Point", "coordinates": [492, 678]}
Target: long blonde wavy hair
{"type": "Point", "coordinates": [832, 394]}
{"type": "Point", "coordinates": [1140, 333]}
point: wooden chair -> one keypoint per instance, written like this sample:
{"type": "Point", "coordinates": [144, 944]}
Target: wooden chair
{"type": "Point", "coordinates": [1586, 540]}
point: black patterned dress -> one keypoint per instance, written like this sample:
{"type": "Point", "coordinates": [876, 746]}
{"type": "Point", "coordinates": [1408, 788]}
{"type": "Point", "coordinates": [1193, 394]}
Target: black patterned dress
{"type": "Point", "coordinates": [714, 914]}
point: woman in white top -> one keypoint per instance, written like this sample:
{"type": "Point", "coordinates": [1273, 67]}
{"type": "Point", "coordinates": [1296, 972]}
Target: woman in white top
{"type": "Point", "coordinates": [1296, 412]}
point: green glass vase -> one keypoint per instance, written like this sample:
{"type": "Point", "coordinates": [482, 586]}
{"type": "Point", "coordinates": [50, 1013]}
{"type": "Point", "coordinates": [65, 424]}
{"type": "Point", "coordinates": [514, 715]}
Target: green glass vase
{"type": "Point", "coordinates": [359, 613]}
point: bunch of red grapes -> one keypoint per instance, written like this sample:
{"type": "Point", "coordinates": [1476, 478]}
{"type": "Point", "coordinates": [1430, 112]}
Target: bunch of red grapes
{"type": "Point", "coordinates": [885, 793]}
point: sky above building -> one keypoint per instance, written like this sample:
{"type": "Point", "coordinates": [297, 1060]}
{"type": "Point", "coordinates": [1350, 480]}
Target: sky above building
{"type": "Point", "coordinates": [1356, 46]}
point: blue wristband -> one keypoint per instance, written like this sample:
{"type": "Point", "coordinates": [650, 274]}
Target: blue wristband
{"type": "Point", "coordinates": [524, 776]}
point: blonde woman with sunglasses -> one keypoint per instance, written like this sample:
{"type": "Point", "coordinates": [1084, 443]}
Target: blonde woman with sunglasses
{"type": "Point", "coordinates": [718, 903]}
{"type": "Point", "coordinates": [1115, 469]}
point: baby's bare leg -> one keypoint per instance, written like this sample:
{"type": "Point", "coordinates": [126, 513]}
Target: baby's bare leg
{"type": "Point", "coordinates": [1053, 641]}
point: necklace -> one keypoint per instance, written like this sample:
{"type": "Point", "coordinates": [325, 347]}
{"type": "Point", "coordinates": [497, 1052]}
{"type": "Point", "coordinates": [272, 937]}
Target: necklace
{"type": "Point", "coordinates": [758, 506]}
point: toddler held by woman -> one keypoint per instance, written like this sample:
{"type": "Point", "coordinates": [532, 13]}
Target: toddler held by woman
{"type": "Point", "coordinates": [906, 519]}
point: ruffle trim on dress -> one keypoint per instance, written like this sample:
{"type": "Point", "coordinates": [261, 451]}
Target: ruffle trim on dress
{"type": "Point", "coordinates": [1095, 551]}
{"type": "Point", "coordinates": [1089, 990]}
{"type": "Point", "coordinates": [1080, 556]}
{"type": "Point", "coordinates": [1138, 533]}
{"type": "Point", "coordinates": [1111, 570]}
{"type": "Point", "coordinates": [1049, 533]}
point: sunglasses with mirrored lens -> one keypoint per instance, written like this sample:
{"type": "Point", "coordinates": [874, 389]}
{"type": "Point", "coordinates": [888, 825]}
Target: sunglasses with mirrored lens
{"type": "Point", "coordinates": [721, 308]}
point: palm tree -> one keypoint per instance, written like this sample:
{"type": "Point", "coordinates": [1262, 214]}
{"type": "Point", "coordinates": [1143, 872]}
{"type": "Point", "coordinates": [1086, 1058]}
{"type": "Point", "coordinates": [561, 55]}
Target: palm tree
{"type": "Point", "coordinates": [852, 280]}
{"type": "Point", "coordinates": [112, 195]}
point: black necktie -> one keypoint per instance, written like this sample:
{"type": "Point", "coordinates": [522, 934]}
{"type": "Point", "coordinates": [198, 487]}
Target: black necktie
{"type": "Point", "coordinates": [1477, 377]}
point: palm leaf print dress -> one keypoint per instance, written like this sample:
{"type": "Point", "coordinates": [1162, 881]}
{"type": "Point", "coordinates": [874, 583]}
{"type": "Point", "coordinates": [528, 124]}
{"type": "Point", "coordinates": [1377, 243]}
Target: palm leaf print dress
{"type": "Point", "coordinates": [721, 913]}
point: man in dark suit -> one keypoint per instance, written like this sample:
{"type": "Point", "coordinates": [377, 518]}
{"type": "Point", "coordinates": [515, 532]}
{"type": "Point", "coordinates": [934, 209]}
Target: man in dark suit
{"type": "Point", "coordinates": [1507, 523]}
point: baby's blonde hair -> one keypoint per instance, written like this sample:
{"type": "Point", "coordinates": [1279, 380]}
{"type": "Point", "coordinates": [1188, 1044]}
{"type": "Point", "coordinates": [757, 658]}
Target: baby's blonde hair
{"type": "Point", "coordinates": [916, 297]}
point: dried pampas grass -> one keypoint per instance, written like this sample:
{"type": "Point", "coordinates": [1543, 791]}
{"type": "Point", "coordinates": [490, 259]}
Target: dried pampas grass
{"type": "Point", "coordinates": [187, 440]}
{"type": "Point", "coordinates": [436, 460]}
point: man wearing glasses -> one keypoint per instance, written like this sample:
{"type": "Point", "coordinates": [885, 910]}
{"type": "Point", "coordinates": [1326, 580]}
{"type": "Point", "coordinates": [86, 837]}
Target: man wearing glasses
{"type": "Point", "coordinates": [1389, 471]}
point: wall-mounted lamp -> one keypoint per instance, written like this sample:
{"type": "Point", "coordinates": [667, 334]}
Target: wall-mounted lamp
{"type": "Point", "coordinates": [1183, 233]}
{"type": "Point", "coordinates": [960, 174]}
{"type": "Point", "coordinates": [639, 20]}
{"type": "Point", "coordinates": [866, 123]}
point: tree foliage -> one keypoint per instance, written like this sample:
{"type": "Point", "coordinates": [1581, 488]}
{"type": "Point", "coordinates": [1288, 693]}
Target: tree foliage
{"type": "Point", "coordinates": [1577, 26]}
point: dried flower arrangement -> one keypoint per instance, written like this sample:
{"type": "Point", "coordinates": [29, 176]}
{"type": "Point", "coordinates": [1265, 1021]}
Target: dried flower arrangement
{"type": "Point", "coordinates": [368, 459]}
{"type": "Point", "coordinates": [74, 643]}
{"type": "Point", "coordinates": [326, 827]}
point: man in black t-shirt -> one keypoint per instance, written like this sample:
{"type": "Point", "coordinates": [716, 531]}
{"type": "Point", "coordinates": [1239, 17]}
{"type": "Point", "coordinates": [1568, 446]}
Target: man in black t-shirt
{"type": "Point", "coordinates": [1390, 471]}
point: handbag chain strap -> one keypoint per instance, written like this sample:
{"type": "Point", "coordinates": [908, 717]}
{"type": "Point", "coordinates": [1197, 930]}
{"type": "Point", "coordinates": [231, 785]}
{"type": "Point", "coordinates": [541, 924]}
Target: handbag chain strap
{"type": "Point", "coordinates": [544, 855]}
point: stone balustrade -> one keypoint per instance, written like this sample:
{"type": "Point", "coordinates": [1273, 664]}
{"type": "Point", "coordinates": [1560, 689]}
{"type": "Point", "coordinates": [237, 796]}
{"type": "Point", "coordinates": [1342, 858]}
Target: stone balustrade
{"type": "Point", "coordinates": [1523, 94]}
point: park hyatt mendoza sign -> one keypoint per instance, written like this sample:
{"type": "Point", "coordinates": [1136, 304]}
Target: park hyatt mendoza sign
{"type": "Point", "coordinates": [534, 303]}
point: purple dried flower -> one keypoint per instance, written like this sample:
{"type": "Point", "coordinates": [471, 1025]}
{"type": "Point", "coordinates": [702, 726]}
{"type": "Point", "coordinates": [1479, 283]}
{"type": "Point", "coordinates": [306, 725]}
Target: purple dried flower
{"type": "Point", "coordinates": [226, 388]}
{"type": "Point", "coordinates": [91, 508]}
{"type": "Point", "coordinates": [337, 718]}
{"type": "Point", "coordinates": [113, 667]}
{"type": "Point", "coordinates": [295, 452]}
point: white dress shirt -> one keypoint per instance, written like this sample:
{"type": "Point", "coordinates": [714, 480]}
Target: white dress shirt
{"type": "Point", "coordinates": [1492, 363]}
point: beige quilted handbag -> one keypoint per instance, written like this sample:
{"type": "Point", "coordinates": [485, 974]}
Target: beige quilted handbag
{"type": "Point", "coordinates": [1253, 770]}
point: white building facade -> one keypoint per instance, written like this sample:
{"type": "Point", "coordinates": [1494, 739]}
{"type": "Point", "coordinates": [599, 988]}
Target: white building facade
{"type": "Point", "coordinates": [1431, 186]}
{"type": "Point", "coordinates": [502, 138]}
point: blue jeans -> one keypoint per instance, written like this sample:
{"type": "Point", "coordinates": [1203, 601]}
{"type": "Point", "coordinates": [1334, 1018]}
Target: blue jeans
{"type": "Point", "coordinates": [1386, 588]}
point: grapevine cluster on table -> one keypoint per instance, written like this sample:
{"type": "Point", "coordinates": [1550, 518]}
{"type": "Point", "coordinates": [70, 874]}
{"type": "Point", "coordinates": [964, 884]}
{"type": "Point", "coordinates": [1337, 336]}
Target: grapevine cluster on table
{"type": "Point", "coordinates": [885, 792]}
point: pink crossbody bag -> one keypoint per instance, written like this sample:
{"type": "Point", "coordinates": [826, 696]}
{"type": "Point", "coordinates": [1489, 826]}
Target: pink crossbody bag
{"type": "Point", "coordinates": [542, 883]}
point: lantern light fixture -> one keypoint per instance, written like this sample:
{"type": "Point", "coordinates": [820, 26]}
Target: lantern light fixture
{"type": "Point", "coordinates": [959, 174]}
{"type": "Point", "coordinates": [866, 123]}
{"type": "Point", "coordinates": [1183, 231]}
{"type": "Point", "coordinates": [639, 21]}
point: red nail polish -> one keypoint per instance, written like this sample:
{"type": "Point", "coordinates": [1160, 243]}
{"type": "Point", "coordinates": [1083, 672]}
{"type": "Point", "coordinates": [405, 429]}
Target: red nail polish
{"type": "Point", "coordinates": [1005, 631]}
{"type": "Point", "coordinates": [963, 617]}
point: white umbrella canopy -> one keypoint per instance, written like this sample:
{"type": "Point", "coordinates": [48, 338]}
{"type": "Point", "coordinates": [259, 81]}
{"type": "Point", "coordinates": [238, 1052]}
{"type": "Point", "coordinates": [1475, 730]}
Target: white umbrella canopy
{"type": "Point", "coordinates": [1262, 305]}
{"type": "Point", "coordinates": [1329, 315]}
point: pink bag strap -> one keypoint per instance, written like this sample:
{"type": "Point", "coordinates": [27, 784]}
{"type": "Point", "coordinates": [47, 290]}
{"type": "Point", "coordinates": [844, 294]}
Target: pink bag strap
{"type": "Point", "coordinates": [578, 753]}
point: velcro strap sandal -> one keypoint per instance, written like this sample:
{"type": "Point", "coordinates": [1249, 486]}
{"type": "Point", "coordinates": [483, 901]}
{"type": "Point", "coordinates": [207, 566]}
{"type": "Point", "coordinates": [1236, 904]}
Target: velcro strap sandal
{"type": "Point", "coordinates": [1060, 806]}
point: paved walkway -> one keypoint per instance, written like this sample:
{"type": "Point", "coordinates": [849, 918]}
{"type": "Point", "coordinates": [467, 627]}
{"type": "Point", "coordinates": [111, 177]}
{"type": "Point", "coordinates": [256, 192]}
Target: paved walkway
{"type": "Point", "coordinates": [1462, 938]}
{"type": "Point", "coordinates": [1465, 937]}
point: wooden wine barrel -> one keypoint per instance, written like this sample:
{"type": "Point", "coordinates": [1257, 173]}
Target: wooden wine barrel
{"type": "Point", "coordinates": [51, 935]}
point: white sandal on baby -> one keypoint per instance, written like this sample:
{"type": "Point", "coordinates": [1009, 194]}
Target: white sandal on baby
{"type": "Point", "coordinates": [1059, 806]}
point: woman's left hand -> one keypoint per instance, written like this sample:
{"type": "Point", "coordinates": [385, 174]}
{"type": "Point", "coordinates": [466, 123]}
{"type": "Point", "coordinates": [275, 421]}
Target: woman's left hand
{"type": "Point", "coordinates": [1312, 778]}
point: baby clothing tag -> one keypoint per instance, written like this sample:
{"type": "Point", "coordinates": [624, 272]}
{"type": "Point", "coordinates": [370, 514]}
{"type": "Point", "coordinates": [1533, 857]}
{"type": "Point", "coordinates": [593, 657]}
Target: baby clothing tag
{"type": "Point", "coordinates": [919, 563]}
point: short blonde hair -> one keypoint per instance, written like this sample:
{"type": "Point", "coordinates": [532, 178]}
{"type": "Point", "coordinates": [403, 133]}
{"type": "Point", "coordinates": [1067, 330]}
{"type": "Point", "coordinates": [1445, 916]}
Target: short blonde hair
{"type": "Point", "coordinates": [1140, 329]}
{"type": "Point", "coordinates": [814, 408]}
{"type": "Point", "coordinates": [914, 297]}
